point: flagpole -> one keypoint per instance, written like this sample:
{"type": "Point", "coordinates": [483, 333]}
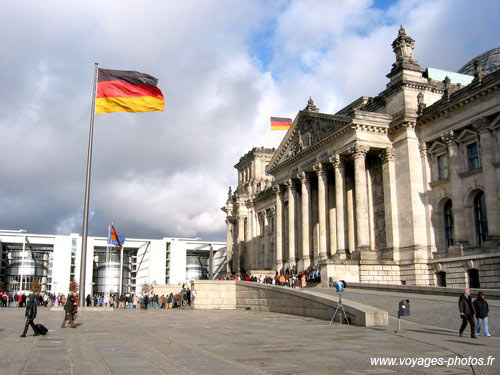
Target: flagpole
{"type": "Point", "coordinates": [121, 269]}
{"type": "Point", "coordinates": [83, 261]}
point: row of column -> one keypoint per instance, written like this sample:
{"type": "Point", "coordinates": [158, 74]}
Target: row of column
{"type": "Point", "coordinates": [337, 217]}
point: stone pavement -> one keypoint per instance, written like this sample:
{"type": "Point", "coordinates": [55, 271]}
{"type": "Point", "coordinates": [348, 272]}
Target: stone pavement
{"type": "Point", "coordinates": [183, 341]}
{"type": "Point", "coordinates": [435, 310]}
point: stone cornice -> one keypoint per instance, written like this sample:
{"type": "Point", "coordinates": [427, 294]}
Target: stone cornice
{"type": "Point", "coordinates": [458, 99]}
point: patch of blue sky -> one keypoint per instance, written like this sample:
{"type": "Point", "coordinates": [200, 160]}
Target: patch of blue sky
{"type": "Point", "coordinates": [260, 44]}
{"type": "Point", "coordinates": [383, 4]}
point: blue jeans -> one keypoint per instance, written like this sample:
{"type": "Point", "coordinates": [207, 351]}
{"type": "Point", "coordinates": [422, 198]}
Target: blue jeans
{"type": "Point", "coordinates": [480, 322]}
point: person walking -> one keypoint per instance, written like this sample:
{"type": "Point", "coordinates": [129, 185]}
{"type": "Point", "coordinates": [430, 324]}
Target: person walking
{"type": "Point", "coordinates": [69, 309]}
{"type": "Point", "coordinates": [467, 314]}
{"type": "Point", "coordinates": [30, 315]}
{"type": "Point", "coordinates": [481, 308]}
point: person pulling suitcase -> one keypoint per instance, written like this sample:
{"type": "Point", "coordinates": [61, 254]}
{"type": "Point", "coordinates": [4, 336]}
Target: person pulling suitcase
{"type": "Point", "coordinates": [30, 315]}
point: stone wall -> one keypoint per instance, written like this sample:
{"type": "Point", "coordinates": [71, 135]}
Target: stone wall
{"type": "Point", "coordinates": [380, 274]}
{"type": "Point", "coordinates": [456, 270]}
{"type": "Point", "coordinates": [214, 294]}
{"type": "Point", "coordinates": [270, 298]}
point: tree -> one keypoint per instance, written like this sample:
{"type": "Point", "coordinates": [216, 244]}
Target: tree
{"type": "Point", "coordinates": [36, 287]}
{"type": "Point", "coordinates": [146, 288]}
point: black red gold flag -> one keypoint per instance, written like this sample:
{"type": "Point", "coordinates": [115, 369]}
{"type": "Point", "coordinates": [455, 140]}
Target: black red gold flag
{"type": "Point", "coordinates": [280, 123]}
{"type": "Point", "coordinates": [127, 91]}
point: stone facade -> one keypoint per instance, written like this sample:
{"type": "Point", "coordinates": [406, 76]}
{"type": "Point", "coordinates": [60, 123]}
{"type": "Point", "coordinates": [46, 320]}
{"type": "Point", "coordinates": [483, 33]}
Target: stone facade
{"type": "Point", "coordinates": [401, 188]}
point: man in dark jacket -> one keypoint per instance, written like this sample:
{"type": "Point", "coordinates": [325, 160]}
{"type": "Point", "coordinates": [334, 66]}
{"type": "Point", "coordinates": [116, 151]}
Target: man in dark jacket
{"type": "Point", "coordinates": [69, 309]}
{"type": "Point", "coordinates": [30, 315]}
{"type": "Point", "coordinates": [466, 313]}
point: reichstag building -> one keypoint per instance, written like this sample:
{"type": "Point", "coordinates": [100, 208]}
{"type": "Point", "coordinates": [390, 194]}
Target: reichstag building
{"type": "Point", "coordinates": [400, 188]}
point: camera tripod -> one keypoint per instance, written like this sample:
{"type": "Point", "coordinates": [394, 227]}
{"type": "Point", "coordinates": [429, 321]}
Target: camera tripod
{"type": "Point", "coordinates": [342, 312]}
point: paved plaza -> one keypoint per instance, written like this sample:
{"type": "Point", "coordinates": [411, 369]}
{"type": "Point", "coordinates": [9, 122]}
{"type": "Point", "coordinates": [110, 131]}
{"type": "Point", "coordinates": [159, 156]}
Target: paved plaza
{"type": "Point", "coordinates": [183, 341]}
{"type": "Point", "coordinates": [435, 310]}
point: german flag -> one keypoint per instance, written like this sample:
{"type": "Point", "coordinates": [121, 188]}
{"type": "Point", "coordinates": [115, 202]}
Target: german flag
{"type": "Point", "coordinates": [280, 123]}
{"type": "Point", "coordinates": [127, 91]}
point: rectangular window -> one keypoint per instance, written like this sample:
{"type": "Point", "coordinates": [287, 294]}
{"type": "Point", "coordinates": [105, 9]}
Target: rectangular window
{"type": "Point", "coordinates": [473, 156]}
{"type": "Point", "coordinates": [442, 164]}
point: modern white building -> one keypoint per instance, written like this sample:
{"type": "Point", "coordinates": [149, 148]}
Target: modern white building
{"type": "Point", "coordinates": [55, 261]}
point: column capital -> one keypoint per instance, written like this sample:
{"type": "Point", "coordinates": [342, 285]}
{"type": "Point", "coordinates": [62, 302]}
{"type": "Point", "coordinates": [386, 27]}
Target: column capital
{"type": "Point", "coordinates": [449, 138]}
{"type": "Point", "coordinates": [303, 176]}
{"type": "Point", "coordinates": [481, 125]}
{"type": "Point", "coordinates": [387, 155]}
{"type": "Point", "coordinates": [261, 215]}
{"type": "Point", "coordinates": [336, 161]}
{"type": "Point", "coordinates": [289, 183]}
{"type": "Point", "coordinates": [359, 151]}
{"type": "Point", "coordinates": [319, 169]}
{"type": "Point", "coordinates": [276, 189]}
{"type": "Point", "coordinates": [270, 212]}
{"type": "Point", "coordinates": [422, 146]}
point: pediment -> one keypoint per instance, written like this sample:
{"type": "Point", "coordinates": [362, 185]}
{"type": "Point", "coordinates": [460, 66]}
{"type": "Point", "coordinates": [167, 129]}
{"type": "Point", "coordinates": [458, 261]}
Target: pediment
{"type": "Point", "coordinates": [437, 148]}
{"type": "Point", "coordinates": [466, 135]}
{"type": "Point", "coordinates": [307, 130]}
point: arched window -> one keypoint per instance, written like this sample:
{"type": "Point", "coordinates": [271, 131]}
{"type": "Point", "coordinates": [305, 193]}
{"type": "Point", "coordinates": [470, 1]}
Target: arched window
{"type": "Point", "coordinates": [473, 278]}
{"type": "Point", "coordinates": [441, 278]}
{"type": "Point", "coordinates": [448, 223]}
{"type": "Point", "coordinates": [480, 218]}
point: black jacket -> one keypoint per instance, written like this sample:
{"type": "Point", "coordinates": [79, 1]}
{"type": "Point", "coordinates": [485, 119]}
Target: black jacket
{"type": "Point", "coordinates": [465, 305]}
{"type": "Point", "coordinates": [30, 312]}
{"type": "Point", "coordinates": [481, 308]}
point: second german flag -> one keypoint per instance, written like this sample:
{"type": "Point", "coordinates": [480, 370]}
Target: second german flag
{"type": "Point", "coordinates": [127, 91]}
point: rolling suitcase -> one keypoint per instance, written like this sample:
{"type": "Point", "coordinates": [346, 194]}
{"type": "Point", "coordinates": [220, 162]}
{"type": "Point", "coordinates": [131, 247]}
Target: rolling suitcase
{"type": "Point", "coordinates": [41, 329]}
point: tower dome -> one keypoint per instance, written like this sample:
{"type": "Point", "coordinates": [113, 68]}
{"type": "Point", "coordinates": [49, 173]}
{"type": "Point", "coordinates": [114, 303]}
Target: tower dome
{"type": "Point", "coordinates": [489, 62]}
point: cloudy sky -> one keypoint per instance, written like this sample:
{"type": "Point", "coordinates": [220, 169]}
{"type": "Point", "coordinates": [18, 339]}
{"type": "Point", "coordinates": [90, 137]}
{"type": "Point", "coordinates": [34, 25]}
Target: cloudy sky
{"type": "Point", "coordinates": [224, 68]}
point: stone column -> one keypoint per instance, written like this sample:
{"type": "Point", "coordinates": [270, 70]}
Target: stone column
{"type": "Point", "coordinates": [332, 215]}
{"type": "Point", "coordinates": [456, 187]}
{"type": "Point", "coordinates": [291, 222]}
{"type": "Point", "coordinates": [306, 217]}
{"type": "Point", "coordinates": [229, 247]}
{"type": "Point", "coordinates": [390, 201]}
{"type": "Point", "coordinates": [361, 196]}
{"type": "Point", "coordinates": [322, 189]}
{"type": "Point", "coordinates": [489, 177]}
{"type": "Point", "coordinates": [279, 227]}
{"type": "Point", "coordinates": [241, 243]}
{"type": "Point", "coordinates": [426, 173]}
{"type": "Point", "coordinates": [338, 167]}
{"type": "Point", "coordinates": [261, 242]}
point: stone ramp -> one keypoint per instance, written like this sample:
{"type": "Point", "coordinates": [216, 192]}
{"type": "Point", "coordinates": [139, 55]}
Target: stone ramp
{"type": "Point", "coordinates": [226, 294]}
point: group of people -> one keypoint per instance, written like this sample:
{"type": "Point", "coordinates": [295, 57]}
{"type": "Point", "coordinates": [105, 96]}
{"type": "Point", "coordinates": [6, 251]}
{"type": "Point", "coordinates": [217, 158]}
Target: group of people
{"type": "Point", "coordinates": [141, 301]}
{"type": "Point", "coordinates": [468, 310]}
{"type": "Point", "coordinates": [290, 277]}
{"type": "Point", "coordinates": [21, 299]}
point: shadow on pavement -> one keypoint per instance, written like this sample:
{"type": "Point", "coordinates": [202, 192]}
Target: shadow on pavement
{"type": "Point", "coordinates": [467, 343]}
{"type": "Point", "coordinates": [433, 332]}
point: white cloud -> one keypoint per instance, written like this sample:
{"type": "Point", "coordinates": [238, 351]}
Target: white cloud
{"type": "Point", "coordinates": [167, 173]}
